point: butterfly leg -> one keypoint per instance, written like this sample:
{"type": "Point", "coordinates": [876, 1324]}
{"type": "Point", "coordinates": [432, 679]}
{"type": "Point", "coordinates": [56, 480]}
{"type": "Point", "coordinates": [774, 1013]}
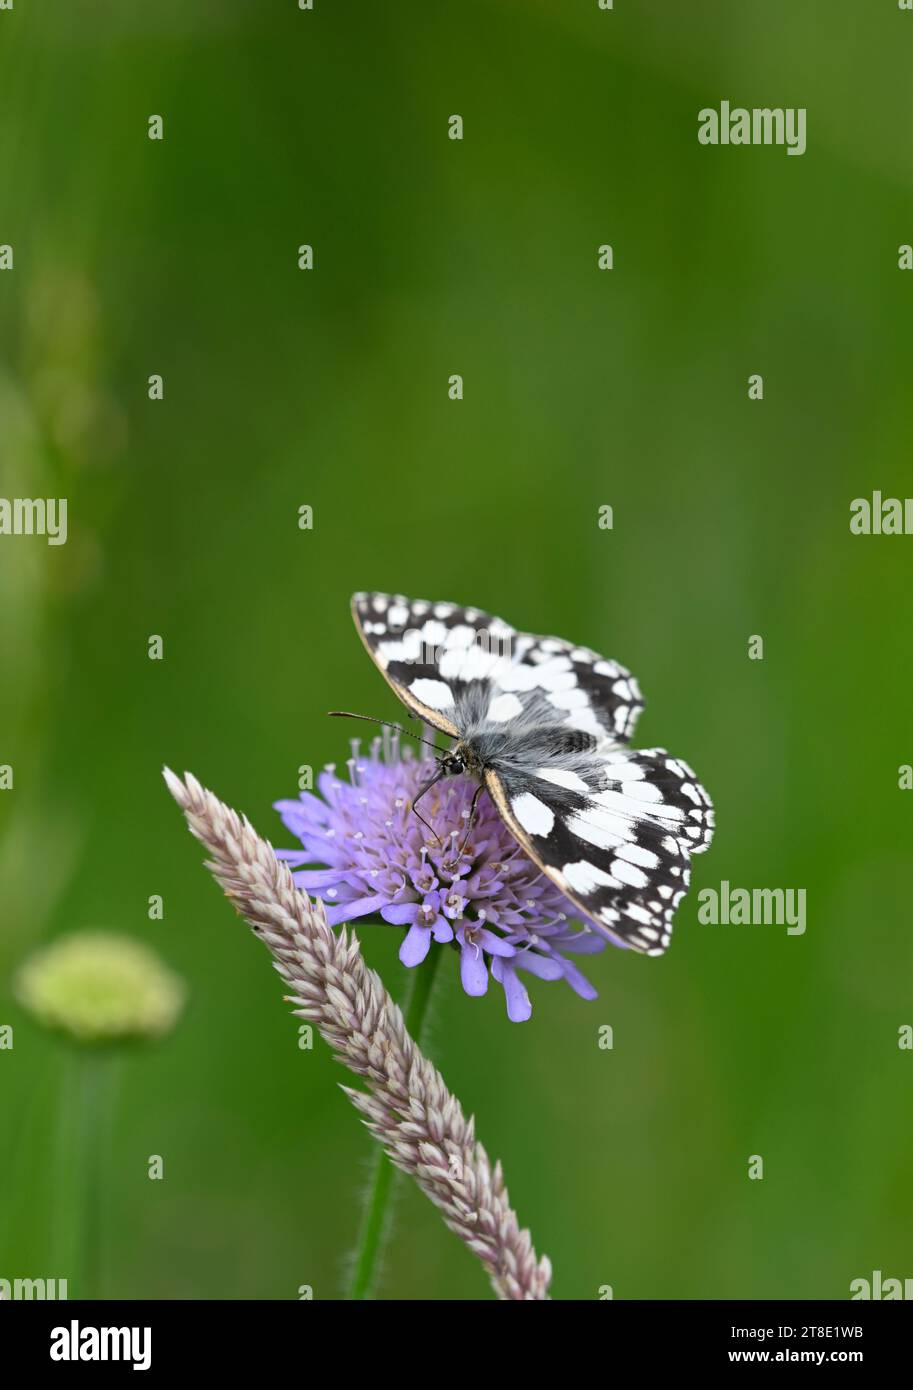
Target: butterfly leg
{"type": "Point", "coordinates": [426, 788]}
{"type": "Point", "coordinates": [471, 821]}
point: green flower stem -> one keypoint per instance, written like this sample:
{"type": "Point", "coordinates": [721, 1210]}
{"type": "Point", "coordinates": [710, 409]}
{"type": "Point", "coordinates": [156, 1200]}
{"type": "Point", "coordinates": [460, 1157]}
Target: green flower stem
{"type": "Point", "coordinates": [84, 1137]}
{"type": "Point", "coordinates": [376, 1219]}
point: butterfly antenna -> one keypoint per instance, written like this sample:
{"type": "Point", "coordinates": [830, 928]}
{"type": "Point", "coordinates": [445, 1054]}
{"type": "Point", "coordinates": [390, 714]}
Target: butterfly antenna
{"type": "Point", "coordinates": [346, 714]}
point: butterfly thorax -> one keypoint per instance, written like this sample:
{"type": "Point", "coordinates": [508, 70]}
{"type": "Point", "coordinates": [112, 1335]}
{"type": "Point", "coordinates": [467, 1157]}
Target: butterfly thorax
{"type": "Point", "coordinates": [501, 748]}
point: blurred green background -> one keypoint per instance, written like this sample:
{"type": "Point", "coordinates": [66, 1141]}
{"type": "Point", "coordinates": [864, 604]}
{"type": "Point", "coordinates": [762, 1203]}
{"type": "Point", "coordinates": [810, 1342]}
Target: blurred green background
{"type": "Point", "coordinates": [582, 388]}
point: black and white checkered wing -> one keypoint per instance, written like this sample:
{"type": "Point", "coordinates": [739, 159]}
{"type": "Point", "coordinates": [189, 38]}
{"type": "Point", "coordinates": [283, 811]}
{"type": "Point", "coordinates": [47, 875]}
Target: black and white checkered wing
{"type": "Point", "coordinates": [616, 835]}
{"type": "Point", "coordinates": [585, 690]}
{"type": "Point", "coordinates": [457, 666]}
{"type": "Point", "coordinates": [431, 653]}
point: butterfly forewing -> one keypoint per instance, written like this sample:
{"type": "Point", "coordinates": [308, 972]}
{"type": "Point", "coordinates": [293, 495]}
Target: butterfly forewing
{"type": "Point", "coordinates": [450, 664]}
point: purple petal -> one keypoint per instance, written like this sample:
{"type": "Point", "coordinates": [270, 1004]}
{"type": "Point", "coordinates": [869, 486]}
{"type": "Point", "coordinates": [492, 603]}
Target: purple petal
{"type": "Point", "coordinates": [294, 856]}
{"type": "Point", "coordinates": [400, 914]}
{"type": "Point", "coordinates": [473, 970]}
{"type": "Point", "coordinates": [310, 879]}
{"type": "Point", "coordinates": [578, 982]}
{"type": "Point", "coordinates": [416, 946]}
{"type": "Point", "coordinates": [543, 966]}
{"type": "Point", "coordinates": [328, 784]}
{"type": "Point", "coordinates": [519, 1008]}
{"type": "Point", "coordinates": [494, 945]}
{"type": "Point", "coordinates": [308, 811]}
{"type": "Point", "coordinates": [582, 943]}
{"type": "Point", "coordinates": [362, 907]}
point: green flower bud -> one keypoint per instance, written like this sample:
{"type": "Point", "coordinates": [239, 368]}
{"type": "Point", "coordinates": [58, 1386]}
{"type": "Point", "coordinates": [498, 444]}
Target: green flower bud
{"type": "Point", "coordinates": [100, 987]}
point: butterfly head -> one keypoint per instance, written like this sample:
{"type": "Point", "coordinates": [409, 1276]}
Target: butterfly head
{"type": "Point", "coordinates": [462, 757]}
{"type": "Point", "coordinates": [451, 764]}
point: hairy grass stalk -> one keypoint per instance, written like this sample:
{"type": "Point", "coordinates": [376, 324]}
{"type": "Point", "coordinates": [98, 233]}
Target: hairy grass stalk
{"type": "Point", "coordinates": [407, 1106]}
{"type": "Point", "coordinates": [377, 1219]}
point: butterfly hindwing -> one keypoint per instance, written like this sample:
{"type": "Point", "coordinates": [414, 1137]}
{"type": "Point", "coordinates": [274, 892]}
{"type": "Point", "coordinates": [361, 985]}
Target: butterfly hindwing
{"type": "Point", "coordinates": [616, 833]}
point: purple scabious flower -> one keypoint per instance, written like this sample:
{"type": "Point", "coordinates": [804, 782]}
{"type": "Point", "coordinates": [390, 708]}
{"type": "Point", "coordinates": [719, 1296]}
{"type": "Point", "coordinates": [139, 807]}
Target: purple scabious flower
{"type": "Point", "coordinates": [486, 899]}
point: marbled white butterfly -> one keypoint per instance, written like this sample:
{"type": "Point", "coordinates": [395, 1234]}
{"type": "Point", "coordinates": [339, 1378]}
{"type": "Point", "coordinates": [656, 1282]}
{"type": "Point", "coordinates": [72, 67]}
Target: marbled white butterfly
{"type": "Point", "coordinates": [543, 726]}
